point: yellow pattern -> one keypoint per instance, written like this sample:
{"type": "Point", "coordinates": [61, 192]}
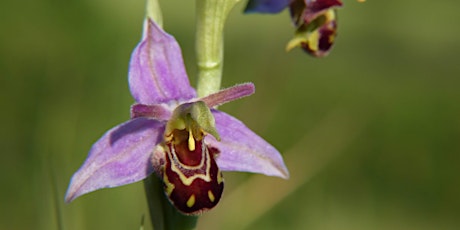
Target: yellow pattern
{"type": "Point", "coordinates": [211, 196]}
{"type": "Point", "coordinates": [189, 180]}
{"type": "Point", "coordinates": [191, 201]}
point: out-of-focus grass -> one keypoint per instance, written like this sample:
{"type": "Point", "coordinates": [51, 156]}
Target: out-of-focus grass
{"type": "Point", "coordinates": [370, 133]}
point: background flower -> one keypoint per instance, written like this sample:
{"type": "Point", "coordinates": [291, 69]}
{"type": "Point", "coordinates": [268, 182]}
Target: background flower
{"type": "Point", "coordinates": [316, 23]}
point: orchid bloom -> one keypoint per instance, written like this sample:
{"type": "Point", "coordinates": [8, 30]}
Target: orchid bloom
{"type": "Point", "coordinates": [168, 134]}
{"type": "Point", "coordinates": [315, 20]}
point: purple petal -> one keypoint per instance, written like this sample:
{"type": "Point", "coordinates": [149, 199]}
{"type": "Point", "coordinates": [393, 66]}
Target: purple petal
{"type": "Point", "coordinates": [157, 112]}
{"type": "Point", "coordinates": [266, 6]}
{"type": "Point", "coordinates": [229, 94]}
{"type": "Point", "coordinates": [120, 157]}
{"type": "Point", "coordinates": [156, 71]}
{"type": "Point", "coordinates": [243, 150]}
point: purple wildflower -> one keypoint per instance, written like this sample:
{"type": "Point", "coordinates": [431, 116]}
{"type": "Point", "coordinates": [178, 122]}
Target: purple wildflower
{"type": "Point", "coordinates": [168, 134]}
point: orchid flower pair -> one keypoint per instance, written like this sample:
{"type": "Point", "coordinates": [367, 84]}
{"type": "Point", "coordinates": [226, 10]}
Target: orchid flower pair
{"type": "Point", "coordinates": [183, 139]}
{"type": "Point", "coordinates": [315, 20]}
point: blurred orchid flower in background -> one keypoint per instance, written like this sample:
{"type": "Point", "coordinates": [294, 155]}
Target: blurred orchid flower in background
{"type": "Point", "coordinates": [316, 23]}
{"type": "Point", "coordinates": [168, 134]}
{"type": "Point", "coordinates": [315, 20]}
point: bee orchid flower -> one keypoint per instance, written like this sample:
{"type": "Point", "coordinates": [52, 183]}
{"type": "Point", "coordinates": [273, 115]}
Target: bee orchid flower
{"type": "Point", "coordinates": [183, 139]}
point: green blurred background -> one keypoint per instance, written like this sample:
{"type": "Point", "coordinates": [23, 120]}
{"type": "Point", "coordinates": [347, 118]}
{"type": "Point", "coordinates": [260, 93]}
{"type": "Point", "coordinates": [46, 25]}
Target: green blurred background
{"type": "Point", "coordinates": [371, 134]}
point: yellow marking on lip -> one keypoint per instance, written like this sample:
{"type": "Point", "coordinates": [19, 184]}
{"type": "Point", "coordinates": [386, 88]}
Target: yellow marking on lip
{"type": "Point", "coordinates": [191, 201]}
{"type": "Point", "coordinates": [211, 196]}
{"type": "Point", "coordinates": [169, 186]}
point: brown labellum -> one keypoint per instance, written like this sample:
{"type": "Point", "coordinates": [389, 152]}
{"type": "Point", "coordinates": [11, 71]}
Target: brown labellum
{"type": "Point", "coordinates": [192, 180]}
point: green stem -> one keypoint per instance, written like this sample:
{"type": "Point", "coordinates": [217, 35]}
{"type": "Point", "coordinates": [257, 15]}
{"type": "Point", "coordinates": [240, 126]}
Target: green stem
{"type": "Point", "coordinates": [153, 11]}
{"type": "Point", "coordinates": [163, 215]}
{"type": "Point", "coordinates": [209, 47]}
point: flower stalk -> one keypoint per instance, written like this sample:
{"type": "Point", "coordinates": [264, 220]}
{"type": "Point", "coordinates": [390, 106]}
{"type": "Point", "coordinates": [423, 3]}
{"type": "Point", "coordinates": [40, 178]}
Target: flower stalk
{"type": "Point", "coordinates": [162, 214]}
{"type": "Point", "coordinates": [209, 46]}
